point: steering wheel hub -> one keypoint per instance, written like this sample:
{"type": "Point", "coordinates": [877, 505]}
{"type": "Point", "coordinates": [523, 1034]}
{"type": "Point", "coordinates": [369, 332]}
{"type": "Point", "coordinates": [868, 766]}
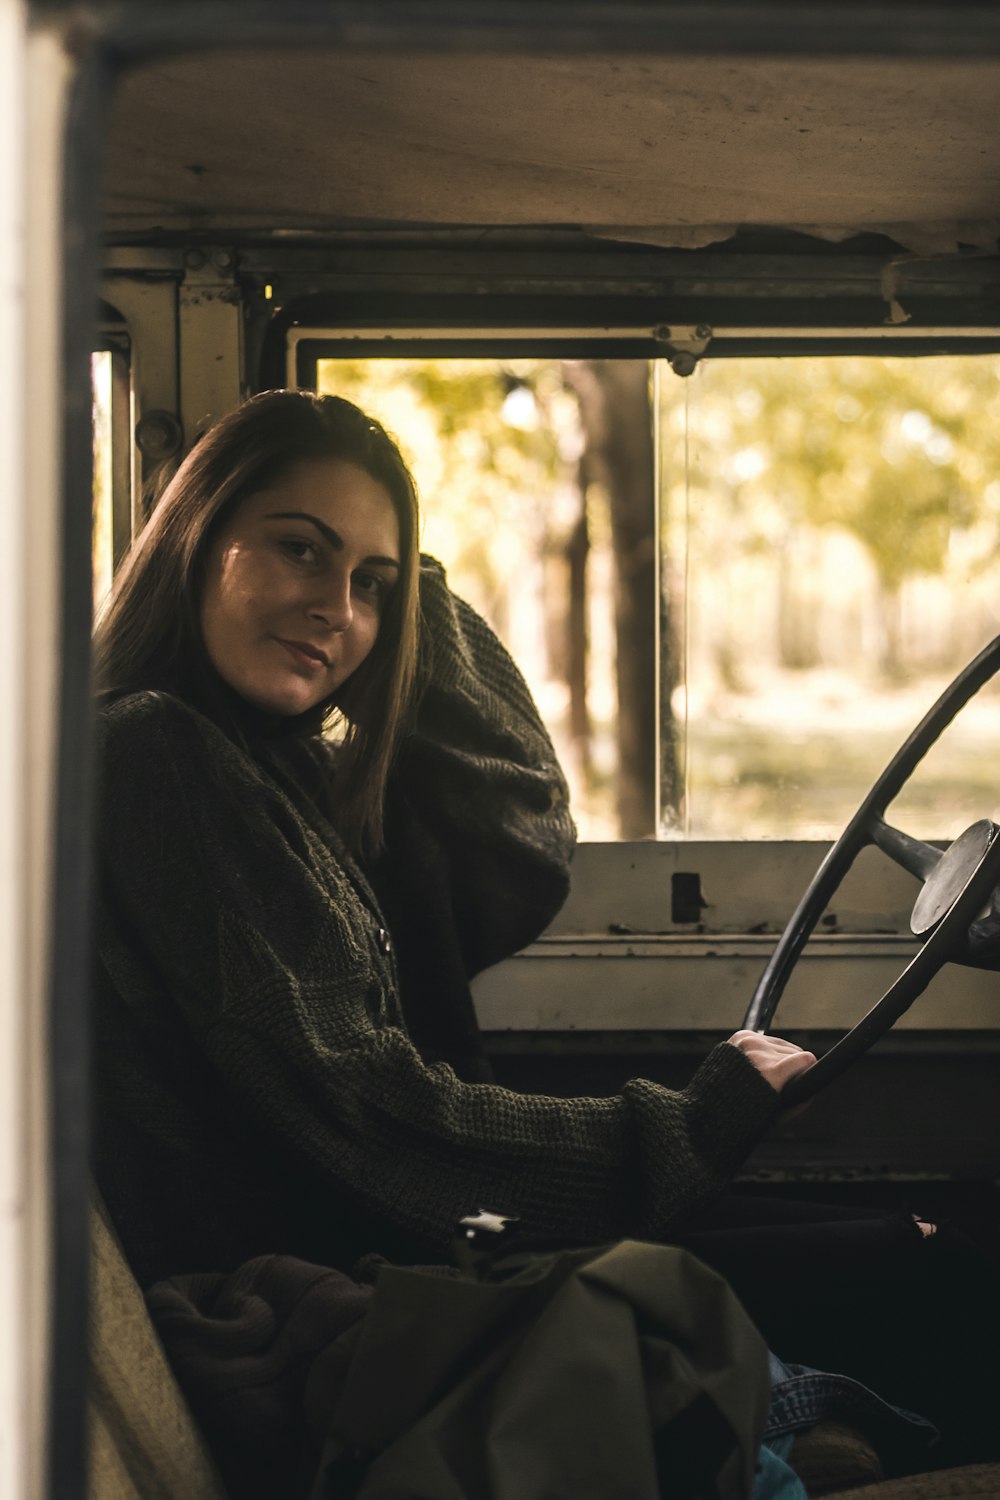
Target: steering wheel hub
{"type": "Point", "coordinates": [950, 876]}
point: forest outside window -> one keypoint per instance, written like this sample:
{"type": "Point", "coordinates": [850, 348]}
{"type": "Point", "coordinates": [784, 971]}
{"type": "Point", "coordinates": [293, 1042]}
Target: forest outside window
{"type": "Point", "coordinates": [732, 594]}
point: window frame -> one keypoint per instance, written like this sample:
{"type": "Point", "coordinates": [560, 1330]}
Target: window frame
{"type": "Point", "coordinates": [875, 908]}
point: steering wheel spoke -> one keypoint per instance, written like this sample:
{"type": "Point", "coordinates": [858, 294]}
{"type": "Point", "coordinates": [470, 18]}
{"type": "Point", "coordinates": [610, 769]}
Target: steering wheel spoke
{"type": "Point", "coordinates": [916, 857]}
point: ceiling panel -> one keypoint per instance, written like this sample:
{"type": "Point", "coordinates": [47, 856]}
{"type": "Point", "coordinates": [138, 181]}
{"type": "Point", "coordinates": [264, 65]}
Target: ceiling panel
{"type": "Point", "coordinates": [673, 151]}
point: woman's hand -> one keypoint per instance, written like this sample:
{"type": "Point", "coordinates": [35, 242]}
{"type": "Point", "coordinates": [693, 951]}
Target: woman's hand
{"type": "Point", "coordinates": [773, 1057]}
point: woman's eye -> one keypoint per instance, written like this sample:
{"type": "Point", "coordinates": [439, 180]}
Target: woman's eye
{"type": "Point", "coordinates": [301, 550]}
{"type": "Point", "coordinates": [371, 584]}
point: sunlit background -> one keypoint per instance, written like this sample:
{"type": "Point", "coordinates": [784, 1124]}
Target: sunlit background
{"type": "Point", "coordinates": [836, 522]}
{"type": "Point", "coordinates": [102, 544]}
{"type": "Point", "coordinates": [829, 557]}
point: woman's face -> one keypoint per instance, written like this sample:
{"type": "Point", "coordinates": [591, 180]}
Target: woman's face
{"type": "Point", "coordinates": [296, 585]}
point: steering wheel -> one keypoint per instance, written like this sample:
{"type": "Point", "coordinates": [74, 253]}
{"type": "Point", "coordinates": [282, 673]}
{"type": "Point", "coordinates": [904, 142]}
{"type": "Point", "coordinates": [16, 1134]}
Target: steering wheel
{"type": "Point", "coordinates": [957, 912]}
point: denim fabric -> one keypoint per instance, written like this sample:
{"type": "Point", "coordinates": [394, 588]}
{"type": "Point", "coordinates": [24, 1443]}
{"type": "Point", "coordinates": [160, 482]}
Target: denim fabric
{"type": "Point", "coordinates": [801, 1397]}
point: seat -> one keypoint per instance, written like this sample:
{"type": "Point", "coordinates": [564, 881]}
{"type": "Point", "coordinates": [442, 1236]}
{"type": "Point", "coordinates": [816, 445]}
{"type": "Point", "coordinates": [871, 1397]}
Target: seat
{"type": "Point", "coordinates": [144, 1444]}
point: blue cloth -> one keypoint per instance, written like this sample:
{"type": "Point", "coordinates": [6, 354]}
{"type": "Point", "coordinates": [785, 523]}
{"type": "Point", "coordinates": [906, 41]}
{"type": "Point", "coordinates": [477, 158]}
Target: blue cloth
{"type": "Point", "coordinates": [774, 1479]}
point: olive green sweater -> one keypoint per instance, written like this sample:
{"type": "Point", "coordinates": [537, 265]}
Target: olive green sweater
{"type": "Point", "coordinates": [258, 1084]}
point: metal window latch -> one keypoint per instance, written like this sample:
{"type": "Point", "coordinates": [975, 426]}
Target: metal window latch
{"type": "Point", "coordinates": [683, 345]}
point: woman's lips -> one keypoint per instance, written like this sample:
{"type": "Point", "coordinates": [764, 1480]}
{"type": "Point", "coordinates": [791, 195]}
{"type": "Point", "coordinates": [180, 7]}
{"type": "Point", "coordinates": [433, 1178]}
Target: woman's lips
{"type": "Point", "coordinates": [305, 655]}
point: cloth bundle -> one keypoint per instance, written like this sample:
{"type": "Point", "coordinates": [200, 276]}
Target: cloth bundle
{"type": "Point", "coordinates": [629, 1370]}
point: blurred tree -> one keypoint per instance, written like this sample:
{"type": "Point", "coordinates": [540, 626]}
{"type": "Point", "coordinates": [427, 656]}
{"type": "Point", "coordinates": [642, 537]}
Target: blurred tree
{"type": "Point", "coordinates": [897, 452]}
{"type": "Point", "coordinates": [617, 417]}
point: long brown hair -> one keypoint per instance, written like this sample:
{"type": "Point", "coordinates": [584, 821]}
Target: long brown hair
{"type": "Point", "coordinates": [149, 633]}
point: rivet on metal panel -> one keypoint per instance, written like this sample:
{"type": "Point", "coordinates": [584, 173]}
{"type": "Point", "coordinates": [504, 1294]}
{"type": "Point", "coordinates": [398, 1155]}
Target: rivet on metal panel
{"type": "Point", "coordinates": [158, 435]}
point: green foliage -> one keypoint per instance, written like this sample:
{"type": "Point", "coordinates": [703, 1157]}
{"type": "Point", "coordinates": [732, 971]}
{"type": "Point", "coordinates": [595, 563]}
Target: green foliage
{"type": "Point", "coordinates": [487, 442]}
{"type": "Point", "coordinates": [898, 452]}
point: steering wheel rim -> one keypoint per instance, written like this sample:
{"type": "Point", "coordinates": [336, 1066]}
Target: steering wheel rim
{"type": "Point", "coordinates": [859, 833]}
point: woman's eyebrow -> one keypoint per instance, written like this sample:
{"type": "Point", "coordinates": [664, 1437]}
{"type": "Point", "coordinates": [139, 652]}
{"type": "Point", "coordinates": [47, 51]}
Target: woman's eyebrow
{"type": "Point", "coordinates": [333, 537]}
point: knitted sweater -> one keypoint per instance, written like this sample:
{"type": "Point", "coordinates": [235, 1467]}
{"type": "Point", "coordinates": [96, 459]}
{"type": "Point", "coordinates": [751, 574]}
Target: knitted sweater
{"type": "Point", "coordinates": [259, 1089]}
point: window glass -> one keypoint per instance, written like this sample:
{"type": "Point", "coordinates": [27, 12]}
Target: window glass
{"type": "Point", "coordinates": [728, 637]}
{"type": "Point", "coordinates": [831, 559]}
{"type": "Point", "coordinates": [102, 549]}
{"type": "Point", "coordinates": [525, 501]}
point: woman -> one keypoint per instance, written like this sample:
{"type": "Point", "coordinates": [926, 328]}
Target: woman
{"type": "Point", "coordinates": [263, 890]}
{"type": "Point", "coordinates": [287, 1058]}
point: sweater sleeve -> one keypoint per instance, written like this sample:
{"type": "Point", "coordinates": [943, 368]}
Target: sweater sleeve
{"type": "Point", "coordinates": [258, 937]}
{"type": "Point", "coordinates": [477, 792]}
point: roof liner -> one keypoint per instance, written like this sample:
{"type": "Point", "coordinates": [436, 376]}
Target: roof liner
{"type": "Point", "coordinates": [666, 151]}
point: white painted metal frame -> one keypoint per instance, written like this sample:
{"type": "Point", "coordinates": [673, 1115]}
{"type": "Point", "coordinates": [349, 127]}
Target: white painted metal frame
{"type": "Point", "coordinates": [614, 961]}
{"type": "Point", "coordinates": [696, 340]}
{"type": "Point", "coordinates": [35, 73]}
{"type": "Point", "coordinates": [184, 316]}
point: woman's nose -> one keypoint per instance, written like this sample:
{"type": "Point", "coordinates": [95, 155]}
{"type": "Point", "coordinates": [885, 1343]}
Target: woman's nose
{"type": "Point", "coordinates": [333, 604]}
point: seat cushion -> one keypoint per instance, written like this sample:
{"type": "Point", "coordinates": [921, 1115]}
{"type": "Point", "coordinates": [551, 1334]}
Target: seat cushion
{"type": "Point", "coordinates": [831, 1457]}
{"type": "Point", "coordinates": [981, 1481]}
{"type": "Point", "coordinates": [143, 1440]}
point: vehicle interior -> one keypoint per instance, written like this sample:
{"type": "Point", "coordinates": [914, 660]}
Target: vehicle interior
{"type": "Point", "coordinates": [647, 270]}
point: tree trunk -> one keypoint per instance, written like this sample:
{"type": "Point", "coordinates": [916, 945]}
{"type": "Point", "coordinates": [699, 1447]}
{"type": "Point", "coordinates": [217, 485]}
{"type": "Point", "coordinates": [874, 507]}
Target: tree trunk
{"type": "Point", "coordinates": [799, 644]}
{"type": "Point", "coordinates": [577, 548]}
{"type": "Point", "coordinates": [891, 619]}
{"type": "Point", "coordinates": [616, 415]}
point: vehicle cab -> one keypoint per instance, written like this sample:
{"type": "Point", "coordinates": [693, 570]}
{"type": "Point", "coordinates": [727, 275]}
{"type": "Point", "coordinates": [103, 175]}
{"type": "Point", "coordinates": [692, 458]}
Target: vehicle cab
{"type": "Point", "coordinates": [686, 317]}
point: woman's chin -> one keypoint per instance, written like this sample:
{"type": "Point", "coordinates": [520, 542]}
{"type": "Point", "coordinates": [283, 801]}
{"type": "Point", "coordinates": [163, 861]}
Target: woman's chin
{"type": "Point", "coordinates": [287, 702]}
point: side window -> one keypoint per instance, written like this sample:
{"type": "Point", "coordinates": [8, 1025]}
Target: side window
{"type": "Point", "coordinates": [103, 550]}
{"type": "Point", "coordinates": [734, 593]}
{"type": "Point", "coordinates": [111, 397]}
